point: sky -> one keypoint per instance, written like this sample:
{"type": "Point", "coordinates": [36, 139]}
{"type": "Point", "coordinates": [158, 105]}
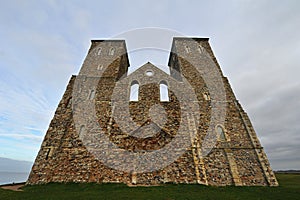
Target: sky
{"type": "Point", "coordinates": [256, 42]}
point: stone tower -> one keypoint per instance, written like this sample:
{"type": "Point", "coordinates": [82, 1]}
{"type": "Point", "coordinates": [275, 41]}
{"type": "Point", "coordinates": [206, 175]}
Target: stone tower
{"type": "Point", "coordinates": [198, 133]}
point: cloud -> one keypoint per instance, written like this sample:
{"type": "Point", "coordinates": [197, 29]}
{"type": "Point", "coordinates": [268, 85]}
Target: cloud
{"type": "Point", "coordinates": [31, 137]}
{"type": "Point", "coordinates": [22, 108]}
{"type": "Point", "coordinates": [256, 43]}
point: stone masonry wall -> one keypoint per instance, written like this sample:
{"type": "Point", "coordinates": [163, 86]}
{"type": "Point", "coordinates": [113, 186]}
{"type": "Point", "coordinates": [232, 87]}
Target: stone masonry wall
{"type": "Point", "coordinates": [237, 157]}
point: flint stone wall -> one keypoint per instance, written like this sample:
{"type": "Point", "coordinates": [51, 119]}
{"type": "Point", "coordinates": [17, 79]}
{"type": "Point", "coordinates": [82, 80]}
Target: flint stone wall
{"type": "Point", "coordinates": [66, 156]}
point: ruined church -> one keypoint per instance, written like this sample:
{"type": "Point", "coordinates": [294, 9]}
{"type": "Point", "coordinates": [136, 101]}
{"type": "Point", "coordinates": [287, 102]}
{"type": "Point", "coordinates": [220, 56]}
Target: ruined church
{"type": "Point", "coordinates": [151, 127]}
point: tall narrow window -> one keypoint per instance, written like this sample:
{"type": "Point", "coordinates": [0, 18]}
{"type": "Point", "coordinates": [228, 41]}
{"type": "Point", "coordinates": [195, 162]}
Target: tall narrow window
{"type": "Point", "coordinates": [99, 51]}
{"type": "Point", "coordinates": [187, 49]}
{"type": "Point", "coordinates": [163, 90]}
{"type": "Point", "coordinates": [220, 131]}
{"type": "Point", "coordinates": [112, 51]}
{"type": "Point", "coordinates": [206, 96]}
{"type": "Point", "coordinates": [81, 130]}
{"type": "Point", "coordinates": [100, 67]}
{"type": "Point", "coordinates": [92, 94]}
{"type": "Point", "coordinates": [201, 49]}
{"type": "Point", "coordinates": [134, 91]}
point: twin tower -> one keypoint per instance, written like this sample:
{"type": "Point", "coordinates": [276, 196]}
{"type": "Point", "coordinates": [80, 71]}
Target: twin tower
{"type": "Point", "coordinates": [150, 127]}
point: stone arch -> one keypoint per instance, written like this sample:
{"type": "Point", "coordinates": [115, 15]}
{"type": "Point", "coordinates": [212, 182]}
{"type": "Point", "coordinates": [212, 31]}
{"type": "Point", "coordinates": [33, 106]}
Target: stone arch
{"type": "Point", "coordinates": [82, 129]}
{"type": "Point", "coordinates": [164, 91]}
{"type": "Point", "coordinates": [134, 91]}
{"type": "Point", "coordinates": [187, 49]}
{"type": "Point", "coordinates": [221, 133]}
{"type": "Point", "coordinates": [99, 67]}
{"type": "Point", "coordinates": [112, 51]}
{"type": "Point", "coordinates": [99, 50]}
{"type": "Point", "coordinates": [206, 96]}
{"type": "Point", "coordinates": [92, 94]}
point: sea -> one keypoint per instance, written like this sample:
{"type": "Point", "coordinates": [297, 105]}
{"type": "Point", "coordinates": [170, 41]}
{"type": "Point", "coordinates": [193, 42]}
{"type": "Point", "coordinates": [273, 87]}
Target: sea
{"type": "Point", "coordinates": [13, 177]}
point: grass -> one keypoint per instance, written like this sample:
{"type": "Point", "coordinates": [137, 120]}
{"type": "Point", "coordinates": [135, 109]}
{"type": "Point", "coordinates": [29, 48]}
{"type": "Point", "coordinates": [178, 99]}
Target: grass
{"type": "Point", "coordinates": [289, 189]}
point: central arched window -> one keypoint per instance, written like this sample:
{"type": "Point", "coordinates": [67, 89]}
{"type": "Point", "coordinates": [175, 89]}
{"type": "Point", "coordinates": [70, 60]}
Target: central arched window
{"type": "Point", "coordinates": [164, 92]}
{"type": "Point", "coordinates": [134, 91]}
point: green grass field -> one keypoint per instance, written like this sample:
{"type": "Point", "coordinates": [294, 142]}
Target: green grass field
{"type": "Point", "coordinates": [289, 189]}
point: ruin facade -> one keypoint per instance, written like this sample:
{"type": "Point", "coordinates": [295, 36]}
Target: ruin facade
{"type": "Point", "coordinates": [199, 107]}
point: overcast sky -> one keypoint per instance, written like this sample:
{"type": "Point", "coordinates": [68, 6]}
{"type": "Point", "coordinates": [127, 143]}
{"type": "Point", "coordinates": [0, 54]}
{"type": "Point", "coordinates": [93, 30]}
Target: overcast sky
{"type": "Point", "coordinates": [257, 44]}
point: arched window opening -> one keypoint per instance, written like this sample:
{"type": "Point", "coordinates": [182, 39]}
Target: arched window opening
{"type": "Point", "coordinates": [221, 133]}
{"type": "Point", "coordinates": [134, 91]}
{"type": "Point", "coordinates": [173, 58]}
{"type": "Point", "coordinates": [99, 51]}
{"type": "Point", "coordinates": [100, 67]}
{"type": "Point", "coordinates": [206, 96]}
{"type": "Point", "coordinates": [92, 94]}
{"type": "Point", "coordinates": [164, 92]}
{"type": "Point", "coordinates": [201, 49]}
{"type": "Point", "coordinates": [187, 49]}
{"type": "Point", "coordinates": [112, 51]}
{"type": "Point", "coordinates": [81, 130]}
